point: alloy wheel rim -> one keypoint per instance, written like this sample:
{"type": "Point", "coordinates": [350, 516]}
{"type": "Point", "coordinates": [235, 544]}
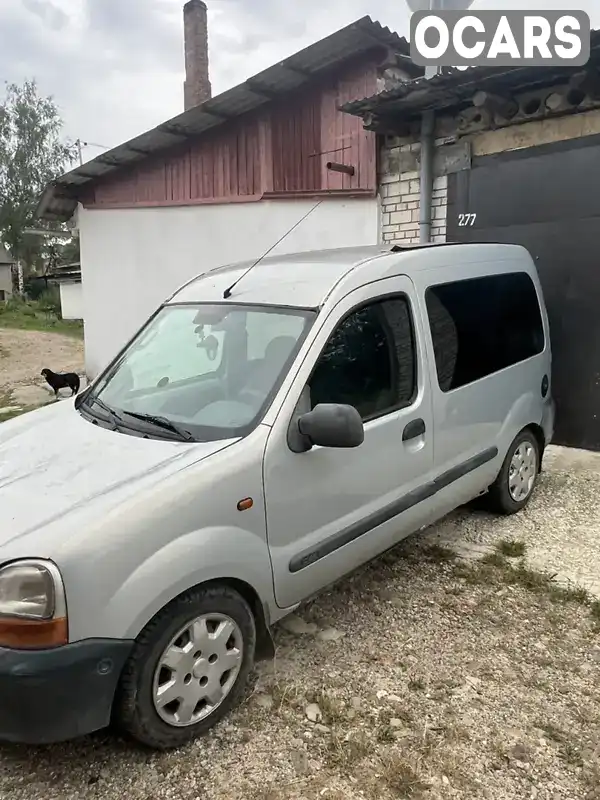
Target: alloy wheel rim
{"type": "Point", "coordinates": [197, 670]}
{"type": "Point", "coordinates": [522, 472]}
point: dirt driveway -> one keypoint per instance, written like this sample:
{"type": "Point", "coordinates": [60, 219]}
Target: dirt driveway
{"type": "Point", "coordinates": [421, 676]}
{"type": "Point", "coordinates": [23, 355]}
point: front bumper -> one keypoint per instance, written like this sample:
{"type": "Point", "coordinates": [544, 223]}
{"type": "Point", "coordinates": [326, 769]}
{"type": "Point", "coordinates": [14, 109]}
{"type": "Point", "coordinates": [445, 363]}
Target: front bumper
{"type": "Point", "coordinates": [49, 696]}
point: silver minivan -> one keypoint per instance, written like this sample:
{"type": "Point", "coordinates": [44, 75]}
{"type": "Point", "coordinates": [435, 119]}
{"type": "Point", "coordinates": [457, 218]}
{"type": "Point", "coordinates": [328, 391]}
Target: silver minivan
{"type": "Point", "coordinates": [272, 427]}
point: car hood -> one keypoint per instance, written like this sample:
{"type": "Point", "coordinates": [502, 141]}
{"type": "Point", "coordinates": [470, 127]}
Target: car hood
{"type": "Point", "coordinates": [53, 462]}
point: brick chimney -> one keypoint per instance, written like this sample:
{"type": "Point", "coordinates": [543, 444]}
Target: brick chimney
{"type": "Point", "coordinates": [195, 28]}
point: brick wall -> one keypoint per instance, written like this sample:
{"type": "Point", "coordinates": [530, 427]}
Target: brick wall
{"type": "Point", "coordinates": [399, 188]}
{"type": "Point", "coordinates": [195, 25]}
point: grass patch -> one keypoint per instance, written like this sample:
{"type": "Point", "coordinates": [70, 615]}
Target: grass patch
{"type": "Point", "coordinates": [511, 548]}
{"type": "Point", "coordinates": [34, 316]}
{"type": "Point", "coordinates": [6, 415]}
{"type": "Point", "coordinates": [332, 709]}
{"type": "Point", "coordinates": [416, 684]}
{"type": "Point", "coordinates": [436, 552]}
{"type": "Point", "coordinates": [18, 413]}
{"type": "Point", "coordinates": [343, 752]}
{"type": "Point", "coordinates": [495, 559]}
{"type": "Point", "coordinates": [569, 750]}
{"type": "Point", "coordinates": [7, 400]}
{"type": "Point", "coordinates": [494, 569]}
{"type": "Point", "coordinates": [403, 778]}
{"type": "Point", "coordinates": [570, 594]}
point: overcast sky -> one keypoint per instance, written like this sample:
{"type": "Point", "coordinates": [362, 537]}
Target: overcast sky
{"type": "Point", "coordinates": [115, 67]}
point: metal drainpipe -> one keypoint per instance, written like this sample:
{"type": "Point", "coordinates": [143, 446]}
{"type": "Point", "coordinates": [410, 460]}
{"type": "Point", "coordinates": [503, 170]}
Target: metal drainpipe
{"type": "Point", "coordinates": [427, 151]}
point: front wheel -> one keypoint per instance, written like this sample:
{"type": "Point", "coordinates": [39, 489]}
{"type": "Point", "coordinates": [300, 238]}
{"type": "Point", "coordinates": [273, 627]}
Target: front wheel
{"type": "Point", "coordinates": [512, 489]}
{"type": "Point", "coordinates": [188, 668]}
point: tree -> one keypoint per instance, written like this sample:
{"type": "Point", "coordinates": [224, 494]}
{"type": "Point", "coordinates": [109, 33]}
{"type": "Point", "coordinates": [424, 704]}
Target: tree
{"type": "Point", "coordinates": [32, 153]}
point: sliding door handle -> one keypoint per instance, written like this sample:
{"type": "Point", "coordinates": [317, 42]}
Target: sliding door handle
{"type": "Point", "coordinates": [414, 429]}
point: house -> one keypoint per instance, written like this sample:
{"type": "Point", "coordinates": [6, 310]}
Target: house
{"type": "Point", "coordinates": [6, 267]}
{"type": "Point", "coordinates": [68, 279]}
{"type": "Point", "coordinates": [228, 178]}
{"type": "Point", "coordinates": [516, 158]}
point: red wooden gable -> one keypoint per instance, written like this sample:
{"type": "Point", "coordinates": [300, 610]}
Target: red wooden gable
{"type": "Point", "coordinates": [281, 151]}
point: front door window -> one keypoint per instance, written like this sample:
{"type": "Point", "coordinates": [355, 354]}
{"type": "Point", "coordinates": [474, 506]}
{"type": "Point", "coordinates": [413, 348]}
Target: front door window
{"type": "Point", "coordinates": [369, 361]}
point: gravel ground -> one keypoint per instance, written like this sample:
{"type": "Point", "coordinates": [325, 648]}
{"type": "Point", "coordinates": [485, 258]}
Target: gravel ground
{"type": "Point", "coordinates": [418, 677]}
{"type": "Point", "coordinates": [561, 525]}
{"type": "Point", "coordinates": [23, 355]}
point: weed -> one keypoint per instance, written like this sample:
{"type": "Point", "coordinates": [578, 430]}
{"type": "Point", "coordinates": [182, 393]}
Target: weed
{"type": "Point", "coordinates": [511, 548]}
{"type": "Point", "coordinates": [403, 777]}
{"type": "Point", "coordinates": [343, 753]}
{"type": "Point", "coordinates": [553, 732]}
{"type": "Point", "coordinates": [386, 733]}
{"type": "Point", "coordinates": [529, 579]}
{"type": "Point", "coordinates": [595, 611]}
{"type": "Point", "coordinates": [332, 709]}
{"type": "Point", "coordinates": [569, 750]}
{"type": "Point", "coordinates": [436, 552]}
{"type": "Point", "coordinates": [495, 559]}
{"type": "Point", "coordinates": [416, 684]}
{"type": "Point", "coordinates": [569, 594]}
{"type": "Point", "coordinates": [285, 694]}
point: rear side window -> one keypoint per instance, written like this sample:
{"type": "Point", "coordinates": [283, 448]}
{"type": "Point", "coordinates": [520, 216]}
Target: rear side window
{"type": "Point", "coordinates": [369, 361]}
{"type": "Point", "coordinates": [482, 325]}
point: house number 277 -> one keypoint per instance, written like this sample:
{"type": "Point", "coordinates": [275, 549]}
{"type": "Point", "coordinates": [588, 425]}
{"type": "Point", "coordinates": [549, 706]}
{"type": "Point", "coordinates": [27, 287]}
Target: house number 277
{"type": "Point", "coordinates": [466, 220]}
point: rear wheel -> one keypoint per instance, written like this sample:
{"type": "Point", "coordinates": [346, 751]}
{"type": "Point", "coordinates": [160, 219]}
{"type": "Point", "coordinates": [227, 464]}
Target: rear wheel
{"type": "Point", "coordinates": [512, 489]}
{"type": "Point", "coordinates": [188, 669]}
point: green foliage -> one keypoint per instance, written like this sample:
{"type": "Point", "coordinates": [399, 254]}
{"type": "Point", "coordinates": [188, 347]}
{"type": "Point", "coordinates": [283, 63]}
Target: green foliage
{"type": "Point", "coordinates": [49, 301]}
{"type": "Point", "coordinates": [34, 287]}
{"type": "Point", "coordinates": [32, 153]}
{"type": "Point", "coordinates": [36, 315]}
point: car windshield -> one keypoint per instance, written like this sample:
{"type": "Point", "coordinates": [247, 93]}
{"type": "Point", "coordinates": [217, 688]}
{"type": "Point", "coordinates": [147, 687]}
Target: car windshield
{"type": "Point", "coordinates": [201, 372]}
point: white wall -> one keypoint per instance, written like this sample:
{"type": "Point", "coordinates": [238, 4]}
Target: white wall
{"type": "Point", "coordinates": [132, 259]}
{"type": "Point", "coordinates": [6, 280]}
{"type": "Point", "coordinates": [71, 300]}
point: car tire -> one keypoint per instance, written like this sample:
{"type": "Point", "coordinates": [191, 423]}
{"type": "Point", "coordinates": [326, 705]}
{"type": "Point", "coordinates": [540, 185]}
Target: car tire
{"type": "Point", "coordinates": [181, 654]}
{"type": "Point", "coordinates": [516, 481]}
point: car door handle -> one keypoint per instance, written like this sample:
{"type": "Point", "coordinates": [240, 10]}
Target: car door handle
{"type": "Point", "coordinates": [413, 429]}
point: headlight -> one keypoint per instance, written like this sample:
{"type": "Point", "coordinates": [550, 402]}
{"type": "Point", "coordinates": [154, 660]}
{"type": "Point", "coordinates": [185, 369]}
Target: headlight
{"type": "Point", "coordinates": [32, 605]}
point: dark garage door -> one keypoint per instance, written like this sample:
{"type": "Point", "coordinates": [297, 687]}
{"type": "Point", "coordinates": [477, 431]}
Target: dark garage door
{"type": "Point", "coordinates": [548, 199]}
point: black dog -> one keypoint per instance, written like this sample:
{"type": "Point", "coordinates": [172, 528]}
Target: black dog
{"type": "Point", "coordinates": [67, 380]}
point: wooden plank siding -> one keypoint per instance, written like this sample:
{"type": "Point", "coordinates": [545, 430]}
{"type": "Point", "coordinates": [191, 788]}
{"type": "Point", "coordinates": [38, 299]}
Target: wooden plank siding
{"type": "Point", "coordinates": [282, 151]}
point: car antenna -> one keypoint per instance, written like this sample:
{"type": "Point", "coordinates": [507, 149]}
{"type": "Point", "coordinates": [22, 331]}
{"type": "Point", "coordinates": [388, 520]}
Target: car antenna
{"type": "Point", "coordinates": [227, 292]}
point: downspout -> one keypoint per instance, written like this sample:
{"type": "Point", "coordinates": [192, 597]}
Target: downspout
{"type": "Point", "coordinates": [426, 189]}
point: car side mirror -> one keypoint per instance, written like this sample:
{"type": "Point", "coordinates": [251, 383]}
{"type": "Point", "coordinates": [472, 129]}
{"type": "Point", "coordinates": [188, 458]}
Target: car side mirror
{"type": "Point", "coordinates": [331, 425]}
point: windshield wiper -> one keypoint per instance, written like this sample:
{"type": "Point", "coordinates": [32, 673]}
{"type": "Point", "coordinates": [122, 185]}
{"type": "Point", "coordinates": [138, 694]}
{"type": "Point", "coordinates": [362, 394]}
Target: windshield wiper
{"type": "Point", "coordinates": [115, 418]}
{"type": "Point", "coordinates": [163, 422]}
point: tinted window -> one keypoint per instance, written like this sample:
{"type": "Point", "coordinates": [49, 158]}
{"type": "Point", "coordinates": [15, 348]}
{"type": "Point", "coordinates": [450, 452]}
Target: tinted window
{"type": "Point", "coordinates": [369, 361]}
{"type": "Point", "coordinates": [483, 325]}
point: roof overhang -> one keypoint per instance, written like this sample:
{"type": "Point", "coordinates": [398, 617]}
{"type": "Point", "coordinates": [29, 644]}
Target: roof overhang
{"type": "Point", "coordinates": [452, 90]}
{"type": "Point", "coordinates": [60, 197]}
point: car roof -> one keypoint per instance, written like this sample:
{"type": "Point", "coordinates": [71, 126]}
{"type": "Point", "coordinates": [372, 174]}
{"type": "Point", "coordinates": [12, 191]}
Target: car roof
{"type": "Point", "coordinates": [305, 280]}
